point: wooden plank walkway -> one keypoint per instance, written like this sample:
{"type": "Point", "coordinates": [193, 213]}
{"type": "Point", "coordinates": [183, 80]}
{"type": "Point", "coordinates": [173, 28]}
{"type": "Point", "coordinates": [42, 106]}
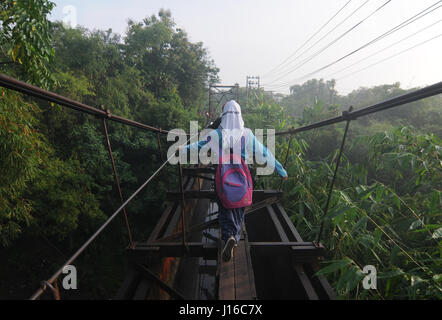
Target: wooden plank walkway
{"type": "Point", "coordinates": [236, 279]}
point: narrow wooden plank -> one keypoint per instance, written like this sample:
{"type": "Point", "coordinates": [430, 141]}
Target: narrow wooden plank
{"type": "Point", "coordinates": [242, 284]}
{"type": "Point", "coordinates": [226, 281]}
{"type": "Point", "coordinates": [249, 265]}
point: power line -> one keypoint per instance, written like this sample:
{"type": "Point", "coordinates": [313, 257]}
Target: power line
{"type": "Point", "coordinates": [386, 48]}
{"type": "Point", "coordinates": [311, 57]}
{"type": "Point", "coordinates": [311, 37]}
{"type": "Point", "coordinates": [390, 57]}
{"type": "Point", "coordinates": [389, 32]}
{"type": "Point", "coordinates": [301, 54]}
{"type": "Point", "coordinates": [403, 24]}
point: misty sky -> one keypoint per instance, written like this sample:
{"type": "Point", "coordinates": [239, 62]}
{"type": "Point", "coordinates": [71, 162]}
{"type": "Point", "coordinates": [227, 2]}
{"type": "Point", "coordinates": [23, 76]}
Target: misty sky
{"type": "Point", "coordinates": [252, 37]}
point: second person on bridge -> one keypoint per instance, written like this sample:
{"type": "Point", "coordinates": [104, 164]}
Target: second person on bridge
{"type": "Point", "coordinates": [235, 145]}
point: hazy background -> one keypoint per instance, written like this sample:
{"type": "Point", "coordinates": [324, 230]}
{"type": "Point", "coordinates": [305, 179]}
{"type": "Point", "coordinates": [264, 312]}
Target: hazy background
{"type": "Point", "coordinates": [251, 37]}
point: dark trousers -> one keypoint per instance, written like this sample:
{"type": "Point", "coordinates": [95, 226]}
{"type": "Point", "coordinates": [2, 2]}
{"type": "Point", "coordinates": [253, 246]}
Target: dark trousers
{"type": "Point", "coordinates": [230, 221]}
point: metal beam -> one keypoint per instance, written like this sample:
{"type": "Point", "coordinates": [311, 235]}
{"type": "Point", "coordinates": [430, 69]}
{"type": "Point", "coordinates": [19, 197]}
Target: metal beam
{"type": "Point", "coordinates": [152, 277]}
{"type": "Point", "coordinates": [210, 194]}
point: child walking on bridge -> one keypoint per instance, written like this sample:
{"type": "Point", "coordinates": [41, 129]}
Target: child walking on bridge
{"type": "Point", "coordinates": [235, 144]}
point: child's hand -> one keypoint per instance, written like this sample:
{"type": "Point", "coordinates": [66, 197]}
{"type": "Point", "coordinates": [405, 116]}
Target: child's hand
{"type": "Point", "coordinates": [285, 178]}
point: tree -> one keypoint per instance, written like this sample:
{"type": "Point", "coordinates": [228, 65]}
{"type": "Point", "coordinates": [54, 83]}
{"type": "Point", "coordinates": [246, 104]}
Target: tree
{"type": "Point", "coordinates": [25, 38]}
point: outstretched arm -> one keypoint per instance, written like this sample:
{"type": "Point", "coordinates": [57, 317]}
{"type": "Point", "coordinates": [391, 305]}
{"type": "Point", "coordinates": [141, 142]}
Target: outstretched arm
{"type": "Point", "coordinates": [264, 154]}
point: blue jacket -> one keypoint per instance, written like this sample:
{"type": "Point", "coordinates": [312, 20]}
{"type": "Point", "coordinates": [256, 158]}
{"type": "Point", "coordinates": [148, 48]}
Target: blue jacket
{"type": "Point", "coordinates": [253, 146]}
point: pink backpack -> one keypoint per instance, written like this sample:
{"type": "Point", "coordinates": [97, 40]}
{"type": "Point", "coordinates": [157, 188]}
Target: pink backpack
{"type": "Point", "coordinates": [233, 182]}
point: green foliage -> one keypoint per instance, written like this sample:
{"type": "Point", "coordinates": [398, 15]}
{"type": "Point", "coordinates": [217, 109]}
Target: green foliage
{"type": "Point", "coordinates": [385, 209]}
{"type": "Point", "coordinates": [25, 37]}
{"type": "Point", "coordinates": [21, 147]}
{"type": "Point", "coordinates": [393, 227]}
{"type": "Point", "coordinates": [308, 94]}
{"type": "Point", "coordinates": [63, 202]}
{"type": "Point", "coordinates": [167, 59]}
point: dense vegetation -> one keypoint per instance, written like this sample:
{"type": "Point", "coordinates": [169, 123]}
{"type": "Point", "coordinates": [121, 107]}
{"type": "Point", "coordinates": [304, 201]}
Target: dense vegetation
{"type": "Point", "coordinates": [385, 208]}
{"type": "Point", "coordinates": [57, 183]}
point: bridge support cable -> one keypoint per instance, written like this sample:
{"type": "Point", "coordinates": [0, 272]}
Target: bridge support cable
{"type": "Point", "coordinates": [34, 91]}
{"type": "Point", "coordinates": [286, 159]}
{"type": "Point", "coordinates": [117, 180]}
{"type": "Point", "coordinates": [332, 183]}
{"type": "Point", "coordinates": [419, 94]}
{"type": "Point", "coordinates": [183, 203]}
{"type": "Point", "coordinates": [160, 151]}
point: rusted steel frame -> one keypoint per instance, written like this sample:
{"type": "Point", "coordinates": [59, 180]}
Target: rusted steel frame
{"type": "Point", "coordinates": [174, 249]}
{"type": "Point", "coordinates": [278, 226]}
{"type": "Point", "coordinates": [288, 222]}
{"type": "Point", "coordinates": [299, 269]}
{"type": "Point", "coordinates": [210, 194]}
{"type": "Point", "coordinates": [54, 288]}
{"type": "Point", "coordinates": [192, 171]}
{"type": "Point", "coordinates": [303, 252]}
{"type": "Point", "coordinates": [117, 180]}
{"type": "Point", "coordinates": [183, 202]}
{"type": "Point", "coordinates": [294, 233]}
{"type": "Point", "coordinates": [198, 176]}
{"type": "Point", "coordinates": [173, 223]}
{"type": "Point", "coordinates": [338, 161]}
{"type": "Point", "coordinates": [160, 226]}
{"type": "Point", "coordinates": [164, 286]}
{"type": "Point", "coordinates": [202, 226]}
{"type": "Point", "coordinates": [306, 283]}
{"type": "Point", "coordinates": [14, 84]}
{"type": "Point", "coordinates": [211, 237]}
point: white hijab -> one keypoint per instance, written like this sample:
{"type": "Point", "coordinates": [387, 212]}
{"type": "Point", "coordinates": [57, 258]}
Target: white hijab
{"type": "Point", "coordinates": [232, 124]}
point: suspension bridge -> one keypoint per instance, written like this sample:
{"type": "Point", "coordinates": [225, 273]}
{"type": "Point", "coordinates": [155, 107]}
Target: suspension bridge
{"type": "Point", "coordinates": [181, 257]}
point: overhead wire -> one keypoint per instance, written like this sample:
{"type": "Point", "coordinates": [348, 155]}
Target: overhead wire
{"type": "Point", "coordinates": [390, 57]}
{"type": "Point", "coordinates": [403, 24]}
{"type": "Point", "coordinates": [384, 49]}
{"type": "Point", "coordinates": [308, 40]}
{"type": "Point", "coordinates": [382, 36]}
{"type": "Point", "coordinates": [330, 31]}
{"type": "Point", "coordinates": [314, 55]}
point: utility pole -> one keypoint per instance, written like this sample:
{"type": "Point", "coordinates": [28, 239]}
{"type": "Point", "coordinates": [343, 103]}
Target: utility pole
{"type": "Point", "coordinates": [252, 82]}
